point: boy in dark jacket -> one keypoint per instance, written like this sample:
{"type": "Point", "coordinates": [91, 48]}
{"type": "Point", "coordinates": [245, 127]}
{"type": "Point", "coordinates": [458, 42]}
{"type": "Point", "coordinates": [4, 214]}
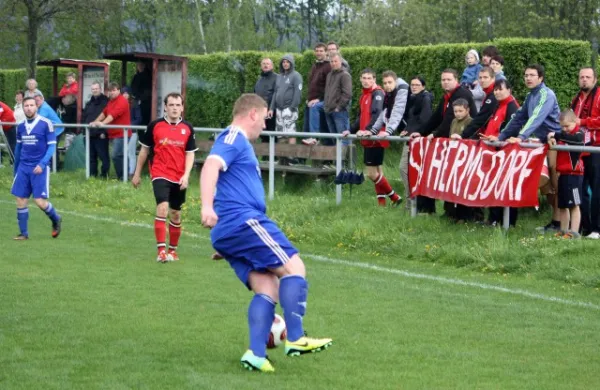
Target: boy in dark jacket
{"type": "Point", "coordinates": [570, 168]}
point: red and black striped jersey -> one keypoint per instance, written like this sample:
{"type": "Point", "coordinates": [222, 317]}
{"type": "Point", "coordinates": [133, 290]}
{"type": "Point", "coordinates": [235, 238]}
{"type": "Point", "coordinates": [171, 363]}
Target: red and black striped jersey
{"type": "Point", "coordinates": [169, 143]}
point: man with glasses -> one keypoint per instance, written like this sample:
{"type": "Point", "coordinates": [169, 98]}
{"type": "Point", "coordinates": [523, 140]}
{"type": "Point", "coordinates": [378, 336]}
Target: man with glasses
{"type": "Point", "coordinates": [539, 113]}
{"type": "Point", "coordinates": [539, 116]}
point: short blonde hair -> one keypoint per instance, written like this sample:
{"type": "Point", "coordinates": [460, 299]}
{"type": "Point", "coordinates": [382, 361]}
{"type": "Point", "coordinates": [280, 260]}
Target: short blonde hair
{"type": "Point", "coordinates": [567, 116]}
{"type": "Point", "coordinates": [247, 102]}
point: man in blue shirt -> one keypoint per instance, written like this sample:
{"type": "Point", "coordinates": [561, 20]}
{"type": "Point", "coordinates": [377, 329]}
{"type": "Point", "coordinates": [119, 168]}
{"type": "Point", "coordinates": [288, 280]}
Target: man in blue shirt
{"type": "Point", "coordinates": [46, 111]}
{"type": "Point", "coordinates": [36, 142]}
{"type": "Point", "coordinates": [259, 253]}
{"type": "Point", "coordinates": [539, 113]}
{"type": "Point", "coordinates": [537, 116]}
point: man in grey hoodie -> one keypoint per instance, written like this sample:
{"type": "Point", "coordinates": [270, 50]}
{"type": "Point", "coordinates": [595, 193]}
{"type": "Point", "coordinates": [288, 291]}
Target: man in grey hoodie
{"type": "Point", "coordinates": [287, 97]}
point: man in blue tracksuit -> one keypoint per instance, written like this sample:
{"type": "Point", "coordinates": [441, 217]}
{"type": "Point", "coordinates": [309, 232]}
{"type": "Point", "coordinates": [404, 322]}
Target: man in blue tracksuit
{"type": "Point", "coordinates": [539, 113]}
{"type": "Point", "coordinates": [537, 116]}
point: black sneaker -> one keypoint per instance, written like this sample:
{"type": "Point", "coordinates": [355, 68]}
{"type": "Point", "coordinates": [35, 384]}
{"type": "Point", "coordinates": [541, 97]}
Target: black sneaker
{"type": "Point", "coordinates": [552, 227]}
{"type": "Point", "coordinates": [56, 227]}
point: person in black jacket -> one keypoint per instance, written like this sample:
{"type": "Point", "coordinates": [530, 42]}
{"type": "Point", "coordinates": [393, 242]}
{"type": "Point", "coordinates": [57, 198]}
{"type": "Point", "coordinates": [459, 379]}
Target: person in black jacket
{"type": "Point", "coordinates": [98, 137]}
{"type": "Point", "coordinates": [265, 88]}
{"type": "Point", "coordinates": [441, 120]}
{"type": "Point", "coordinates": [141, 88]}
{"type": "Point", "coordinates": [489, 105]}
{"type": "Point", "coordinates": [417, 113]}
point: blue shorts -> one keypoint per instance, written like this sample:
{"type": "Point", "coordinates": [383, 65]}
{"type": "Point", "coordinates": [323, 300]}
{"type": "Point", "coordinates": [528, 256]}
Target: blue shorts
{"type": "Point", "coordinates": [257, 245]}
{"type": "Point", "coordinates": [27, 183]}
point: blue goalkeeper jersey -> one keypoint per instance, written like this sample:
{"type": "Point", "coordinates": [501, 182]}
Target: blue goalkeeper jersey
{"type": "Point", "coordinates": [34, 136]}
{"type": "Point", "coordinates": [240, 194]}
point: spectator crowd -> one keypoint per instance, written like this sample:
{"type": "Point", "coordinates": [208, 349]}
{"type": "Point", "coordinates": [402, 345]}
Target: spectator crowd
{"type": "Point", "coordinates": [476, 104]}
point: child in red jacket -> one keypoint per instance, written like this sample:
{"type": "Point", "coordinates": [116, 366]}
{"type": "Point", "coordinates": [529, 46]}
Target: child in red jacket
{"type": "Point", "coordinates": [570, 167]}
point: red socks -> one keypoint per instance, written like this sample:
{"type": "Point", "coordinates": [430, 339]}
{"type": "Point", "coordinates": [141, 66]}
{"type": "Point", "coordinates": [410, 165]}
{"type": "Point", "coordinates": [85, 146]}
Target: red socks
{"type": "Point", "coordinates": [160, 231]}
{"type": "Point", "coordinates": [174, 234]}
{"type": "Point", "coordinates": [382, 187]}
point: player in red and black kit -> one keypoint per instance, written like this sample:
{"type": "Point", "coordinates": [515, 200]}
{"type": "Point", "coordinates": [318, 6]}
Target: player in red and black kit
{"type": "Point", "coordinates": [370, 106]}
{"type": "Point", "coordinates": [173, 145]}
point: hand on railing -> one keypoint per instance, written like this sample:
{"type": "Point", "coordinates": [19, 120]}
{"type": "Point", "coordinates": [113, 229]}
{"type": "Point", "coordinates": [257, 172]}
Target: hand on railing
{"type": "Point", "coordinates": [551, 139]}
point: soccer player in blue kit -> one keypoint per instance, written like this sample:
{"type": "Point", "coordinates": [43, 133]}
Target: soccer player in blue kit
{"type": "Point", "coordinates": [36, 142]}
{"type": "Point", "coordinates": [259, 253]}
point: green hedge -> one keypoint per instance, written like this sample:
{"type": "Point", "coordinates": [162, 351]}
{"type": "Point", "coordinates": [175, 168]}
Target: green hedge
{"type": "Point", "coordinates": [216, 80]}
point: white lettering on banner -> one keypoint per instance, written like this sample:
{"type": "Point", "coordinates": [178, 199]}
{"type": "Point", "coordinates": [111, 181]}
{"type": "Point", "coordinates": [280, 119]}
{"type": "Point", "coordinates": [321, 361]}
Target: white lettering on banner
{"type": "Point", "coordinates": [525, 172]}
{"type": "Point", "coordinates": [436, 162]}
{"type": "Point", "coordinates": [480, 174]}
{"type": "Point", "coordinates": [451, 146]}
{"type": "Point", "coordinates": [473, 174]}
{"type": "Point", "coordinates": [418, 167]}
{"type": "Point", "coordinates": [518, 163]}
{"type": "Point", "coordinates": [500, 192]}
{"type": "Point", "coordinates": [471, 168]}
{"type": "Point", "coordinates": [487, 187]}
{"type": "Point", "coordinates": [461, 154]}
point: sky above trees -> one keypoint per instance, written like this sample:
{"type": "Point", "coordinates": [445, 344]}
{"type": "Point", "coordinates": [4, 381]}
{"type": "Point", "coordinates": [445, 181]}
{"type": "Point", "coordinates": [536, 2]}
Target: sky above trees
{"type": "Point", "coordinates": [82, 29]}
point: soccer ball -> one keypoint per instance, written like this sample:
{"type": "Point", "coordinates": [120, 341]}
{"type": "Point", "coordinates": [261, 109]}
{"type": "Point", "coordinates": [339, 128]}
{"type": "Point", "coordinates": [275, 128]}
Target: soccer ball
{"type": "Point", "coordinates": [278, 332]}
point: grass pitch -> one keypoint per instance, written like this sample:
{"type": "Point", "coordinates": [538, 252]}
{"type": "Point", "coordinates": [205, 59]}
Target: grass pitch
{"type": "Point", "coordinates": [92, 309]}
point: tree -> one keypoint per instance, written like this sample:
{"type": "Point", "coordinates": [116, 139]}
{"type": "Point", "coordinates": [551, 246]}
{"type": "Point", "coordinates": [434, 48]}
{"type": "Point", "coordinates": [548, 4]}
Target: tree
{"type": "Point", "coordinates": [41, 13]}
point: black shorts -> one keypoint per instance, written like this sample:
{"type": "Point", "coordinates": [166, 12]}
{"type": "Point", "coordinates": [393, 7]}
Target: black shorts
{"type": "Point", "coordinates": [374, 156]}
{"type": "Point", "coordinates": [569, 191]}
{"type": "Point", "coordinates": [166, 191]}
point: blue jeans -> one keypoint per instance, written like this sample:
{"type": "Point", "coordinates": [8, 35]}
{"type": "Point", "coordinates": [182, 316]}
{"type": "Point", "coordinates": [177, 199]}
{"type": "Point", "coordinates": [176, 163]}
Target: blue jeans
{"type": "Point", "coordinates": [337, 123]}
{"type": "Point", "coordinates": [312, 118]}
{"type": "Point", "coordinates": [116, 154]}
{"type": "Point", "coordinates": [131, 153]}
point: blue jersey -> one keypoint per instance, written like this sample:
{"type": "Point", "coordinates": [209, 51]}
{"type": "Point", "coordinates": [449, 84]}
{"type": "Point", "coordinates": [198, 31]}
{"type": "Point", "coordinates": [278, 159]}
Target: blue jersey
{"type": "Point", "coordinates": [240, 194]}
{"type": "Point", "coordinates": [47, 112]}
{"type": "Point", "coordinates": [34, 136]}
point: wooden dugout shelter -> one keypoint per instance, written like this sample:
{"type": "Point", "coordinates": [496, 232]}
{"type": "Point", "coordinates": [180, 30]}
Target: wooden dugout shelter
{"type": "Point", "coordinates": [87, 72]}
{"type": "Point", "coordinates": [169, 74]}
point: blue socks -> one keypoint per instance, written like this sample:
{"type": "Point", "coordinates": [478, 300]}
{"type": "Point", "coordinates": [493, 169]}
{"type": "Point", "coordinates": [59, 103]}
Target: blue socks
{"type": "Point", "coordinates": [261, 313]}
{"type": "Point", "coordinates": [51, 213]}
{"type": "Point", "coordinates": [22, 217]}
{"type": "Point", "coordinates": [293, 290]}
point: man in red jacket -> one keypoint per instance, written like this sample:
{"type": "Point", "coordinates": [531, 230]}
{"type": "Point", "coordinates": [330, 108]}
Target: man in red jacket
{"type": "Point", "coordinates": [7, 115]}
{"type": "Point", "coordinates": [586, 106]}
{"type": "Point", "coordinates": [116, 112]}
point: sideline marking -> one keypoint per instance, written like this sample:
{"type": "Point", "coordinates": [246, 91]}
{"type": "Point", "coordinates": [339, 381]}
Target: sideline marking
{"type": "Point", "coordinates": [368, 266]}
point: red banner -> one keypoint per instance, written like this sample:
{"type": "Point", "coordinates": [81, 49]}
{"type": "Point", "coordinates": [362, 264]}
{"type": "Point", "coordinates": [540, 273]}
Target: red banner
{"type": "Point", "coordinates": [475, 174]}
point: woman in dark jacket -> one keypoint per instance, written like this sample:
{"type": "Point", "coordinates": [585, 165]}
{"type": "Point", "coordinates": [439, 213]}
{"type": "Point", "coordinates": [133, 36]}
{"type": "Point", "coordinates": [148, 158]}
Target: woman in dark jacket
{"type": "Point", "coordinates": [417, 113]}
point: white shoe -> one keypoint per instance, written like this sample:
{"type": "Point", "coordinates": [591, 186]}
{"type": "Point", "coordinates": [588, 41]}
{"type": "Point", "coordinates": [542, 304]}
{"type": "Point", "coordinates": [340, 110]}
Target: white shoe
{"type": "Point", "coordinates": [308, 141]}
{"type": "Point", "coordinates": [593, 235]}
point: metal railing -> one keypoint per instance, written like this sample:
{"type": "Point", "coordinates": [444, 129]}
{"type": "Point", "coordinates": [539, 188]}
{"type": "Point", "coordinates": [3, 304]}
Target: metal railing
{"type": "Point", "coordinates": [339, 142]}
